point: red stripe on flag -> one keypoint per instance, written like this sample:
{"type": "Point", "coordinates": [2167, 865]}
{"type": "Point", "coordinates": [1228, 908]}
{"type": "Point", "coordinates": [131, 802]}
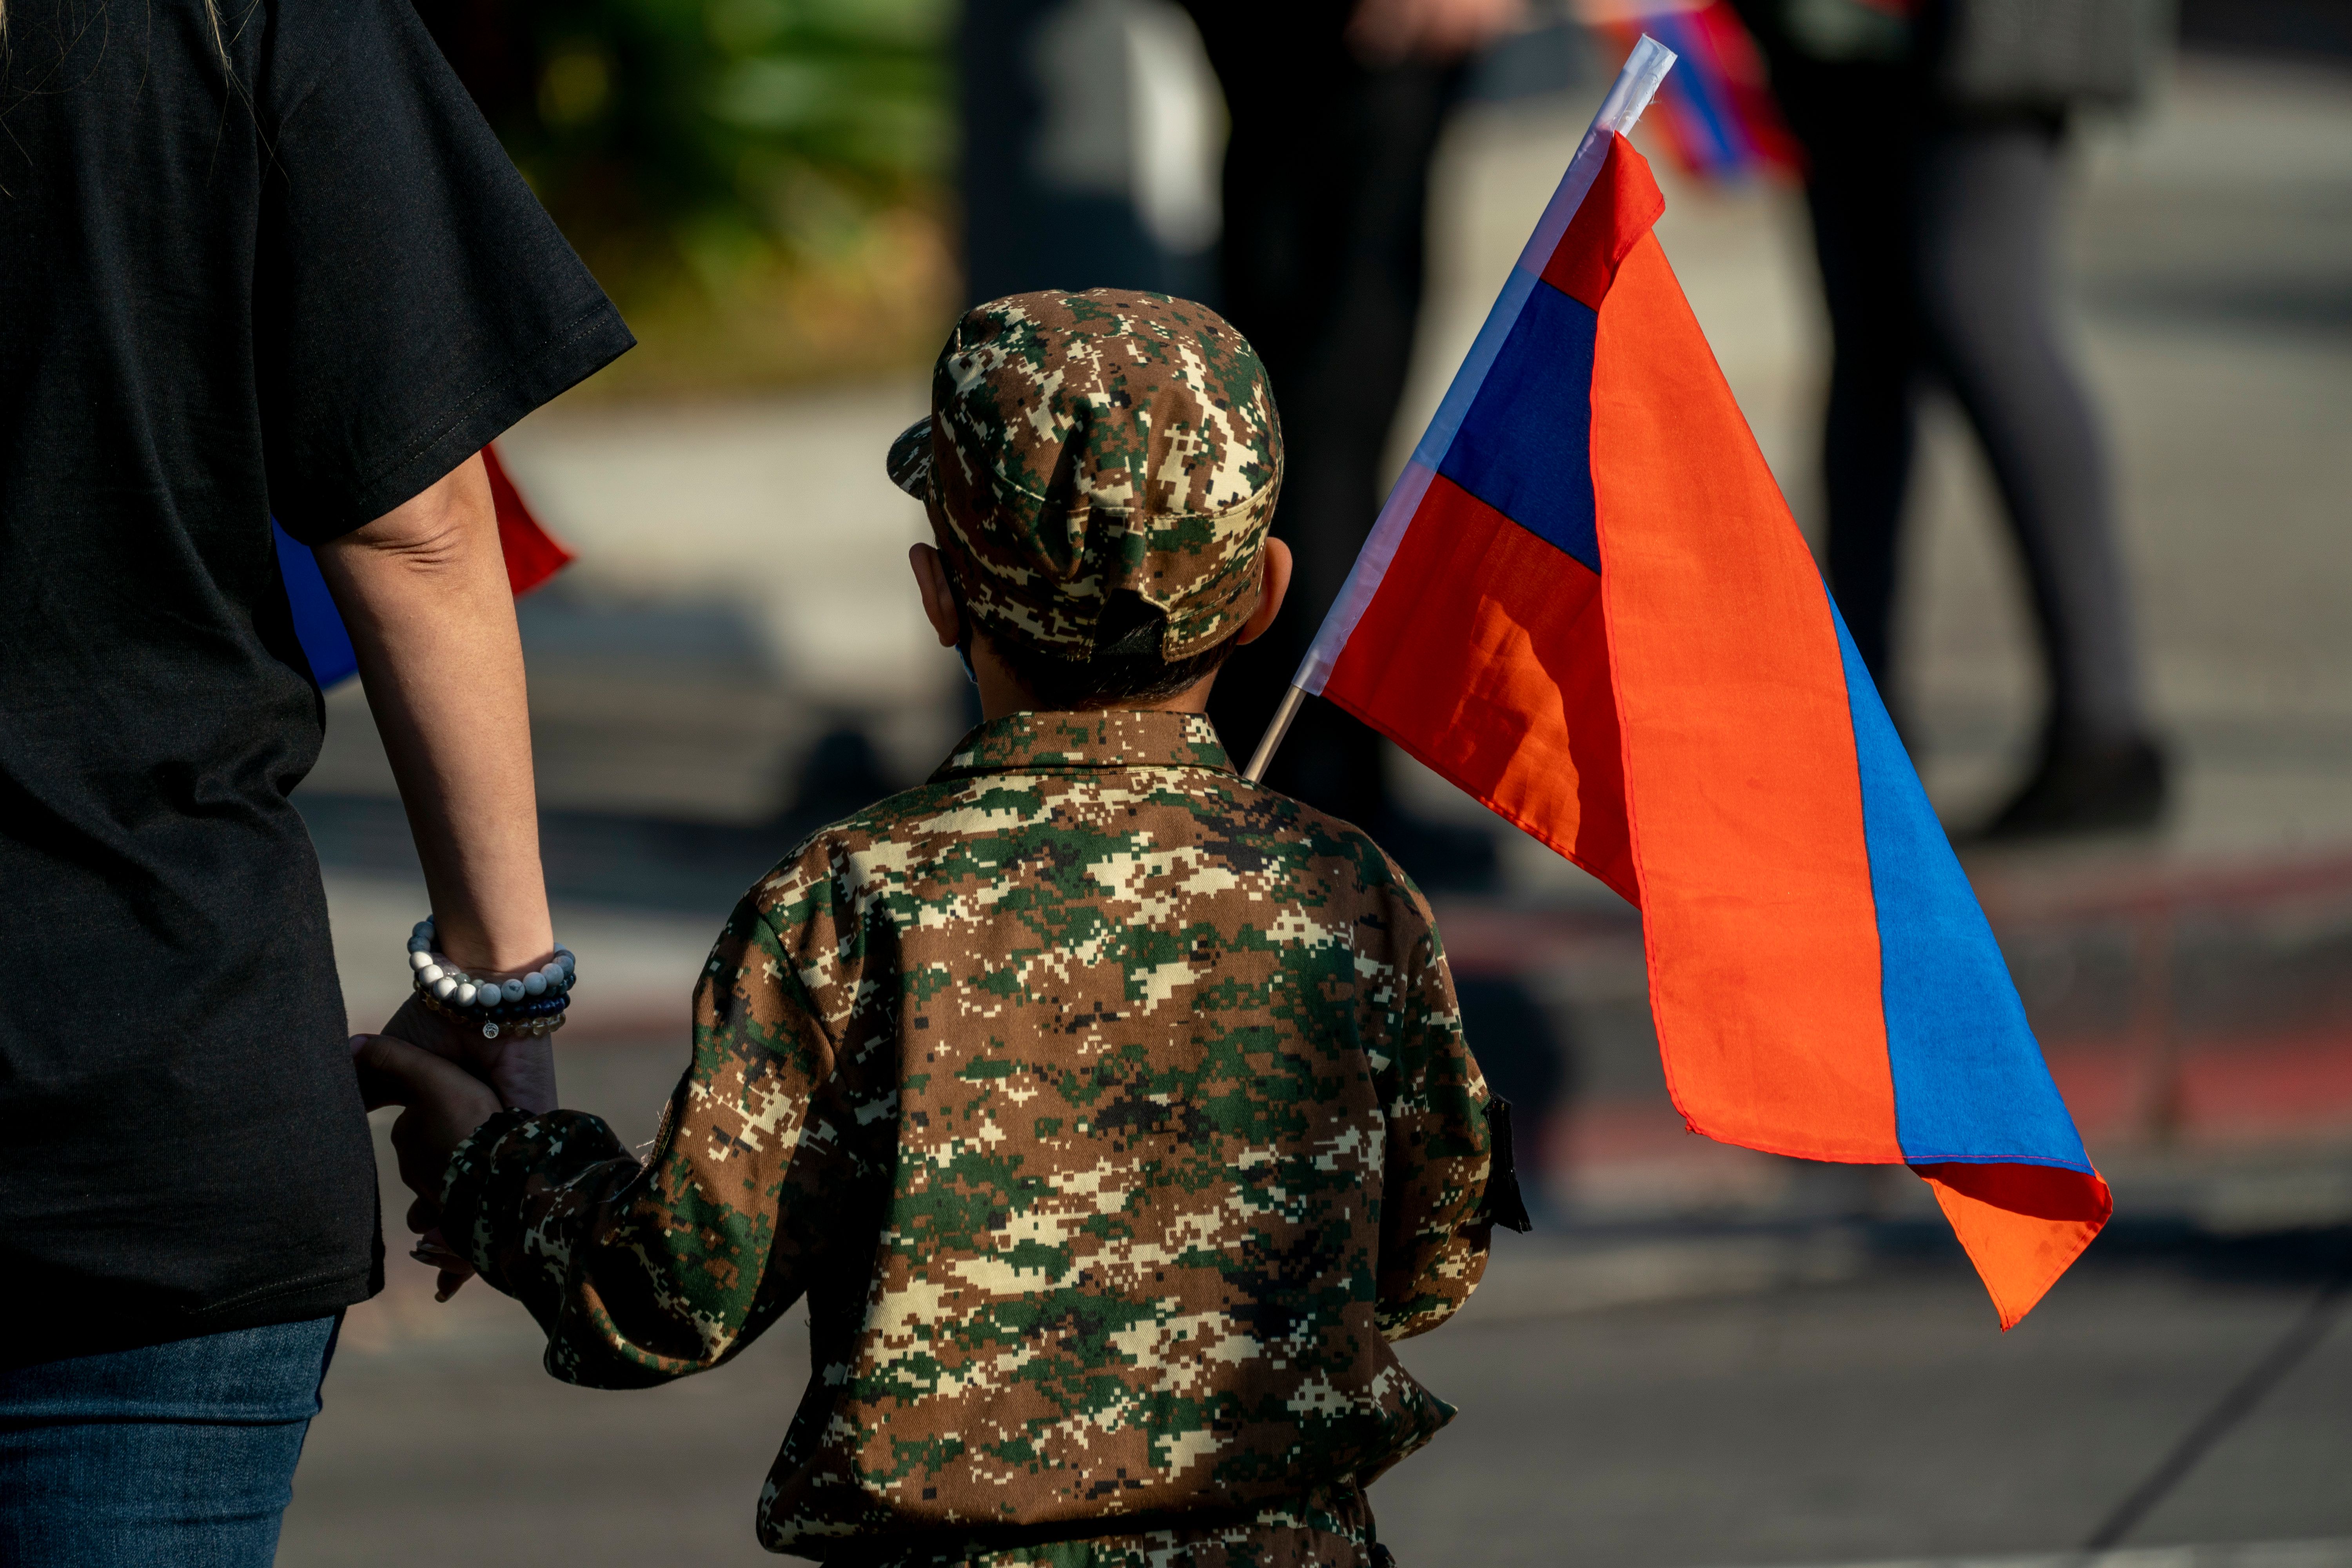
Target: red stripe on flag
{"type": "Point", "coordinates": [1739, 753]}
{"type": "Point", "coordinates": [1619, 209]}
{"type": "Point", "coordinates": [2022, 1225]}
{"type": "Point", "coordinates": [1484, 654]}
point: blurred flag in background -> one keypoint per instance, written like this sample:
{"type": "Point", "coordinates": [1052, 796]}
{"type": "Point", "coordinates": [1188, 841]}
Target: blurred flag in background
{"type": "Point", "coordinates": [1715, 113]}
{"type": "Point", "coordinates": [532, 557]}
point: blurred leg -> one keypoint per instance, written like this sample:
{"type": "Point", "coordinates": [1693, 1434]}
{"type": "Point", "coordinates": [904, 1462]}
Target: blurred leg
{"type": "Point", "coordinates": [1025, 65]}
{"type": "Point", "coordinates": [179, 1454]}
{"type": "Point", "coordinates": [1857, 195]}
{"type": "Point", "coordinates": [1988, 292]}
{"type": "Point", "coordinates": [1988, 297]}
{"type": "Point", "coordinates": [1327, 181]}
{"type": "Point", "coordinates": [1859, 123]}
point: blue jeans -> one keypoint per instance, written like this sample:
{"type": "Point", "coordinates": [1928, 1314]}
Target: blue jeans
{"type": "Point", "coordinates": [179, 1455]}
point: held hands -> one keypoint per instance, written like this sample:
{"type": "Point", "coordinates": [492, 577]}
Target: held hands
{"type": "Point", "coordinates": [473, 1076]}
{"type": "Point", "coordinates": [520, 1068]}
{"type": "Point", "coordinates": [444, 1103]}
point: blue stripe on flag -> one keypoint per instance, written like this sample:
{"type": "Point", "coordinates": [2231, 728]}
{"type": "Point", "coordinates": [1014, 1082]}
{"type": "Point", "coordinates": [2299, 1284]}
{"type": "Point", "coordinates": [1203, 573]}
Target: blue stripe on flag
{"type": "Point", "coordinates": [1969, 1082]}
{"type": "Point", "coordinates": [1463, 390]}
{"type": "Point", "coordinates": [1525, 448]}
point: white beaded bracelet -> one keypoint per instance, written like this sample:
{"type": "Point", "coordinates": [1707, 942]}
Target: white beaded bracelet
{"type": "Point", "coordinates": [442, 980]}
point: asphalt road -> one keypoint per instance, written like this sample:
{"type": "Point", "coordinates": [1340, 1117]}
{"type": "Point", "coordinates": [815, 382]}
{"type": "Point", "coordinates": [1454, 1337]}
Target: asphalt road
{"type": "Point", "coordinates": [1711, 1418]}
{"type": "Point", "coordinates": [1881, 1419]}
{"type": "Point", "coordinates": [1886, 1419]}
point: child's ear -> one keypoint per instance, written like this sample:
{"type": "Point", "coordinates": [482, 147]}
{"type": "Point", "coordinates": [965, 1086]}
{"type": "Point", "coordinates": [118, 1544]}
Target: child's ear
{"type": "Point", "coordinates": [1273, 582]}
{"type": "Point", "coordinates": [939, 601]}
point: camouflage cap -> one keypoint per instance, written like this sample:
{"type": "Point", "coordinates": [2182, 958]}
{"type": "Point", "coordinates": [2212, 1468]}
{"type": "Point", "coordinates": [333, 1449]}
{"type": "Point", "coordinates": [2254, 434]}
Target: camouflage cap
{"type": "Point", "coordinates": [1082, 444]}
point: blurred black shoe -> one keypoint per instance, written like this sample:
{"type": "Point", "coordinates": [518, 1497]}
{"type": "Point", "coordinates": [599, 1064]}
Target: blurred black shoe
{"type": "Point", "coordinates": [2102, 787]}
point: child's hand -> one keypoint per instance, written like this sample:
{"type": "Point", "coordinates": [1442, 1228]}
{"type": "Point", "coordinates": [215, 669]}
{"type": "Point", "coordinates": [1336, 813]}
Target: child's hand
{"type": "Point", "coordinates": [444, 1104]}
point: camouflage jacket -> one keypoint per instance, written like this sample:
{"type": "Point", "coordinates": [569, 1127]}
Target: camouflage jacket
{"type": "Point", "coordinates": [1112, 1113]}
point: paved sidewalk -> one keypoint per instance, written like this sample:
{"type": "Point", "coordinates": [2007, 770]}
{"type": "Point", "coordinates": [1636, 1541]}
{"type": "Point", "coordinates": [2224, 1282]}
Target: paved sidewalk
{"type": "Point", "coordinates": [1663, 1395]}
{"type": "Point", "coordinates": [1837, 1394]}
{"type": "Point", "coordinates": [2236, 1554]}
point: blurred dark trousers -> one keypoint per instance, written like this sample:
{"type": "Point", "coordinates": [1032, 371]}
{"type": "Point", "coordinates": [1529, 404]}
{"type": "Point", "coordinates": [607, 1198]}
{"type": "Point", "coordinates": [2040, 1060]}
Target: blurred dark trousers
{"type": "Point", "coordinates": [1326, 206]}
{"type": "Point", "coordinates": [1937, 246]}
{"type": "Point", "coordinates": [169, 1456]}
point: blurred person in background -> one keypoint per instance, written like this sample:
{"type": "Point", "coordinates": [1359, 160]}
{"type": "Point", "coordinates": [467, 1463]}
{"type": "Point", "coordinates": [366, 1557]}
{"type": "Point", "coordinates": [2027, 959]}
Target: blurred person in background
{"type": "Point", "coordinates": [1080, 118]}
{"type": "Point", "coordinates": [249, 265]}
{"type": "Point", "coordinates": [1934, 148]}
{"type": "Point", "coordinates": [1089, 131]}
{"type": "Point", "coordinates": [1337, 107]}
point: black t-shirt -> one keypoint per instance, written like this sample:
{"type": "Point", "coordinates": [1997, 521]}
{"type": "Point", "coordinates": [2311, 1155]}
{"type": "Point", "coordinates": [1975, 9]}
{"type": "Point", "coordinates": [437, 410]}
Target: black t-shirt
{"type": "Point", "coordinates": [306, 280]}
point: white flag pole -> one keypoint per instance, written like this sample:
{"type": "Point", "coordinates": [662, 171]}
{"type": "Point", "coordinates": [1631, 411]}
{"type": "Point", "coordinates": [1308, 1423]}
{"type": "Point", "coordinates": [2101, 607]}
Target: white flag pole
{"type": "Point", "coordinates": [1628, 96]}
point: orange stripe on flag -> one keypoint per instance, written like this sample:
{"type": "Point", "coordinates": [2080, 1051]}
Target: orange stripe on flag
{"type": "Point", "coordinates": [1745, 794]}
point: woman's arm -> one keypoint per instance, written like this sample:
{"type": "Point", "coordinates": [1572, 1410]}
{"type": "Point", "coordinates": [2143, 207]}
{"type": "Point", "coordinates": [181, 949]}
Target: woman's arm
{"type": "Point", "coordinates": [423, 590]}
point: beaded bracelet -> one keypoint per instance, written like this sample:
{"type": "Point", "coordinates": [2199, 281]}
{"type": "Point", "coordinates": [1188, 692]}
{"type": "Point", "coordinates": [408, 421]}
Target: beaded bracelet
{"type": "Point", "coordinates": [542, 1016]}
{"type": "Point", "coordinates": [532, 1003]}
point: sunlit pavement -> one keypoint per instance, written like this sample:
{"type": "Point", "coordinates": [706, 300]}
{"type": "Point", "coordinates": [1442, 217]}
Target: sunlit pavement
{"type": "Point", "coordinates": [1831, 1424]}
{"type": "Point", "coordinates": [1679, 1396]}
{"type": "Point", "coordinates": [1707, 1357]}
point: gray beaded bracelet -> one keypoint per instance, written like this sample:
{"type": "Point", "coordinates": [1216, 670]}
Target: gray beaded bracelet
{"type": "Point", "coordinates": [449, 989]}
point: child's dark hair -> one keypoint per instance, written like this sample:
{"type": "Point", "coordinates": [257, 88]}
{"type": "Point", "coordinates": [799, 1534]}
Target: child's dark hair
{"type": "Point", "coordinates": [1127, 667]}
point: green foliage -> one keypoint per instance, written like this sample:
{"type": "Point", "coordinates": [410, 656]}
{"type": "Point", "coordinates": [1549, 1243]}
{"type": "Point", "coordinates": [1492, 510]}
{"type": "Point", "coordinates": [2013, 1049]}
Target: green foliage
{"type": "Point", "coordinates": [726, 135]}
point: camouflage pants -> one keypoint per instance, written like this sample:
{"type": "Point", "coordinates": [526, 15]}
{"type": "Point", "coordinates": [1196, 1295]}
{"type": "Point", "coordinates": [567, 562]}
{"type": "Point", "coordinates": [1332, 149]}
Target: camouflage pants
{"type": "Point", "coordinates": [1328, 1527]}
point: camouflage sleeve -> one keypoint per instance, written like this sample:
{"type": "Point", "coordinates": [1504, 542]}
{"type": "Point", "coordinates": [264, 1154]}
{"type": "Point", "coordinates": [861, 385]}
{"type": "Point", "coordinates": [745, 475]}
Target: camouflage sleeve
{"type": "Point", "coordinates": [642, 1273]}
{"type": "Point", "coordinates": [1433, 1227]}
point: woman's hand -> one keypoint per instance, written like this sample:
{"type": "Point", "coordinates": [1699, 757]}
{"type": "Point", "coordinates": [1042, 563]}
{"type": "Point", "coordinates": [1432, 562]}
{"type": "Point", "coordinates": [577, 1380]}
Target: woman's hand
{"type": "Point", "coordinates": [446, 1104]}
{"type": "Point", "coordinates": [520, 1068]}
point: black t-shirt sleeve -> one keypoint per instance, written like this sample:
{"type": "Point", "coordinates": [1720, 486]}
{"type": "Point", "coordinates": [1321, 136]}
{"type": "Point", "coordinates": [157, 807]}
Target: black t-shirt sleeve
{"type": "Point", "coordinates": [411, 297]}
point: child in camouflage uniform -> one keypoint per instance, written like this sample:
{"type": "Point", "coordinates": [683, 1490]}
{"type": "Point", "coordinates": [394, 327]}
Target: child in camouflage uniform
{"type": "Point", "coordinates": [1111, 1112]}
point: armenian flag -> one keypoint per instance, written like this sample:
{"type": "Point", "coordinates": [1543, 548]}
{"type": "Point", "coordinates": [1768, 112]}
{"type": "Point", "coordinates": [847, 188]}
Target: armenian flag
{"type": "Point", "coordinates": [532, 556]}
{"type": "Point", "coordinates": [1586, 603]}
